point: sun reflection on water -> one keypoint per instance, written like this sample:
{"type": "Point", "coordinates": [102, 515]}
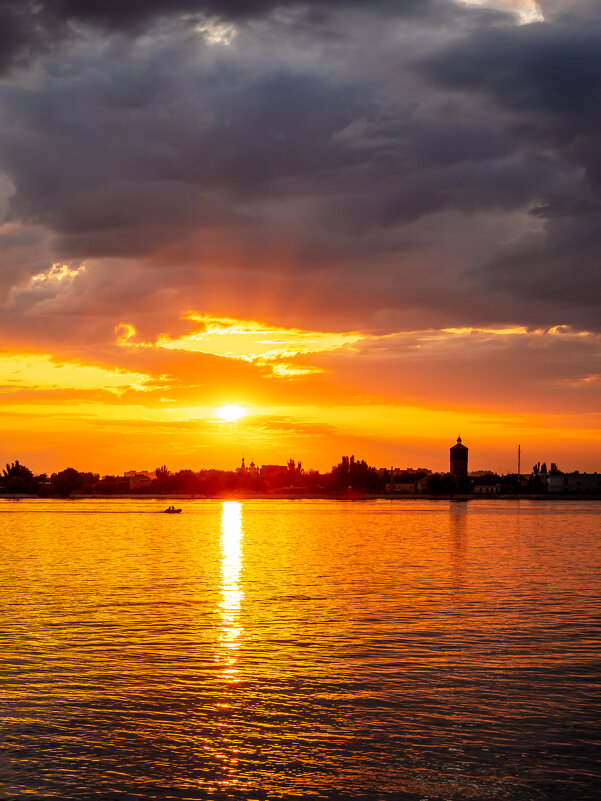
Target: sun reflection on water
{"type": "Point", "coordinates": [231, 593]}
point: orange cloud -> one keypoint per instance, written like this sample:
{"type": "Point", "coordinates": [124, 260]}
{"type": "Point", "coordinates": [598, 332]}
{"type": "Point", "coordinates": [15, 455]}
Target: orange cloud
{"type": "Point", "coordinates": [42, 372]}
{"type": "Point", "coordinates": [58, 273]}
{"type": "Point", "coordinates": [248, 340]}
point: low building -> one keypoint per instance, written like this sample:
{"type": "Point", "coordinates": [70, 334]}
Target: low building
{"type": "Point", "coordinates": [402, 487]}
{"type": "Point", "coordinates": [423, 485]}
{"type": "Point", "coordinates": [404, 481]}
{"type": "Point", "coordinates": [139, 478]}
{"type": "Point", "coordinates": [270, 470]}
{"type": "Point", "coordinates": [485, 482]}
{"type": "Point", "coordinates": [573, 483]}
{"type": "Point", "coordinates": [487, 488]}
{"type": "Point", "coordinates": [272, 476]}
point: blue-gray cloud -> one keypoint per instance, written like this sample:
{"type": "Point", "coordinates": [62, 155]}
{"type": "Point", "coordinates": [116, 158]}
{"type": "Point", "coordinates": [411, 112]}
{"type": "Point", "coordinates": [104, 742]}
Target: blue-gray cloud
{"type": "Point", "coordinates": [383, 161]}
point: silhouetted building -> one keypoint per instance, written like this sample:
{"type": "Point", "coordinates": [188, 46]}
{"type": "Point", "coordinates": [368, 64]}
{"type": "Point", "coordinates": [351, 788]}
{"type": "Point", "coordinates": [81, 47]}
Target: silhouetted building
{"type": "Point", "coordinates": [487, 485]}
{"type": "Point", "coordinates": [251, 470]}
{"type": "Point", "coordinates": [270, 470]}
{"type": "Point", "coordinates": [572, 482]}
{"type": "Point", "coordinates": [139, 478]}
{"type": "Point", "coordinates": [403, 481]}
{"type": "Point", "coordinates": [459, 461]}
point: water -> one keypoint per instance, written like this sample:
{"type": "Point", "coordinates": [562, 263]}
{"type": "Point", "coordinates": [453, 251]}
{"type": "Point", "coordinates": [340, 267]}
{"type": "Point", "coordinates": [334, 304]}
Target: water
{"type": "Point", "coordinates": [270, 649]}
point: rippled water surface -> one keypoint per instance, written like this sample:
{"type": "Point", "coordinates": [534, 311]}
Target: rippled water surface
{"type": "Point", "coordinates": [268, 649]}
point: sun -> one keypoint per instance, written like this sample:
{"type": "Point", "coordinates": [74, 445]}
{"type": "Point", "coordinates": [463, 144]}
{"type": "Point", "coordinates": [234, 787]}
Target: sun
{"type": "Point", "coordinates": [231, 413]}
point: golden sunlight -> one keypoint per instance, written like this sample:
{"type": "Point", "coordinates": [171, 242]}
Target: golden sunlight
{"type": "Point", "coordinates": [231, 593]}
{"type": "Point", "coordinates": [231, 413]}
{"type": "Point", "coordinates": [265, 345]}
{"type": "Point", "coordinates": [40, 371]}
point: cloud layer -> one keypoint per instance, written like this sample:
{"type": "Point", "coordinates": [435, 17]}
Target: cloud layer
{"type": "Point", "coordinates": [391, 169]}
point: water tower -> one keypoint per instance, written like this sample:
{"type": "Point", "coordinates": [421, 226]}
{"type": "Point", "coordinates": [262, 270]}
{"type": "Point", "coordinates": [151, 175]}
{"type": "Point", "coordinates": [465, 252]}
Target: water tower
{"type": "Point", "coordinates": [458, 461]}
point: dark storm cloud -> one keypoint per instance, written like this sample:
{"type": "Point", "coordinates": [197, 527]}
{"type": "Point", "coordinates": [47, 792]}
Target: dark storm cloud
{"type": "Point", "coordinates": [31, 27]}
{"type": "Point", "coordinates": [550, 69]}
{"type": "Point", "coordinates": [548, 78]}
{"type": "Point", "coordinates": [118, 151]}
{"type": "Point", "coordinates": [112, 179]}
{"type": "Point", "coordinates": [546, 81]}
{"type": "Point", "coordinates": [116, 14]}
{"type": "Point", "coordinates": [384, 158]}
{"type": "Point", "coordinates": [561, 264]}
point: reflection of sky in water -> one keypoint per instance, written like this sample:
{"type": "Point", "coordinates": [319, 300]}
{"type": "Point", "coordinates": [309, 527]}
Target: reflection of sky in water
{"type": "Point", "coordinates": [231, 594]}
{"type": "Point", "coordinates": [297, 649]}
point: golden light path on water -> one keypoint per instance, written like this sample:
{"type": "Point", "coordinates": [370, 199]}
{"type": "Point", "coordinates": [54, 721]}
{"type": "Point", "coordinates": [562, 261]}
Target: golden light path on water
{"type": "Point", "coordinates": [230, 631]}
{"type": "Point", "coordinates": [231, 593]}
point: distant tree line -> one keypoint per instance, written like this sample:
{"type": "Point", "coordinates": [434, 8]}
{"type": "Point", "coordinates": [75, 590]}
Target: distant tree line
{"type": "Point", "coordinates": [350, 475]}
{"type": "Point", "coordinates": [19, 480]}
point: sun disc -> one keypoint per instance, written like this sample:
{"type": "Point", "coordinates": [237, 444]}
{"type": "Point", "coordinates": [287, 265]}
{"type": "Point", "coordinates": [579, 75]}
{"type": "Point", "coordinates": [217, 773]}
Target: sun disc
{"type": "Point", "coordinates": [231, 412]}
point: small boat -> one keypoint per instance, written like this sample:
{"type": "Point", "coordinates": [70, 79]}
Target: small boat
{"type": "Point", "coordinates": [171, 511]}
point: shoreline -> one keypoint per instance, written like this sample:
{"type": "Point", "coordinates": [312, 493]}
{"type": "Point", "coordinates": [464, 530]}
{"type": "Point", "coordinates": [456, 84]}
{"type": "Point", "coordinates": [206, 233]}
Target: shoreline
{"type": "Point", "coordinates": [293, 496]}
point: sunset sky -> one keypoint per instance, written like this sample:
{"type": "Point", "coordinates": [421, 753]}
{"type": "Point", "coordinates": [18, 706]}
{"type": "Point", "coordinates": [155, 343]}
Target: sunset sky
{"type": "Point", "coordinates": [372, 225]}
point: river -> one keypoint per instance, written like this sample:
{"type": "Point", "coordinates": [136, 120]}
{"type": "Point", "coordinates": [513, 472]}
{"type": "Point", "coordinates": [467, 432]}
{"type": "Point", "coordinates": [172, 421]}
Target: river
{"type": "Point", "coordinates": [280, 649]}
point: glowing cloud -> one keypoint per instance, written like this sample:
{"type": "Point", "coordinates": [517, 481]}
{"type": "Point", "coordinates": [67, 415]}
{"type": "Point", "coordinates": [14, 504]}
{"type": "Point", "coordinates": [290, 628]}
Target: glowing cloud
{"type": "Point", "coordinates": [58, 273]}
{"type": "Point", "coordinates": [125, 333]}
{"type": "Point", "coordinates": [217, 33]}
{"type": "Point", "coordinates": [40, 371]}
{"type": "Point", "coordinates": [526, 10]}
{"type": "Point", "coordinates": [250, 341]}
